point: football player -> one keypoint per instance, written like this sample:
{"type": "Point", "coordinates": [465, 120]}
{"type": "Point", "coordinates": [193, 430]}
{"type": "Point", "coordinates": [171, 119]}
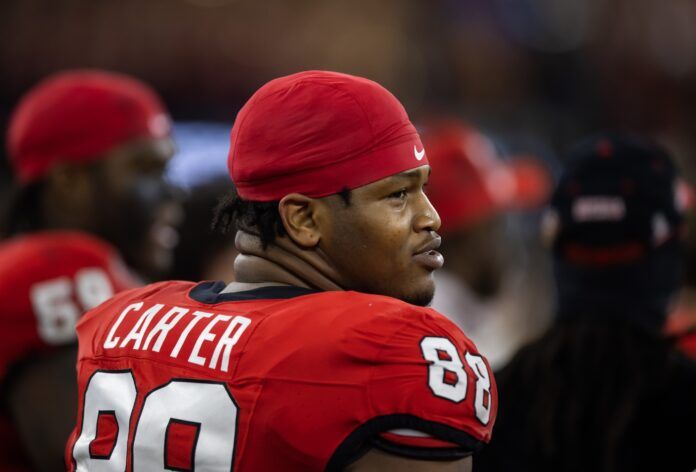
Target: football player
{"type": "Point", "coordinates": [602, 389]}
{"type": "Point", "coordinates": [322, 355]}
{"type": "Point", "coordinates": [87, 149]}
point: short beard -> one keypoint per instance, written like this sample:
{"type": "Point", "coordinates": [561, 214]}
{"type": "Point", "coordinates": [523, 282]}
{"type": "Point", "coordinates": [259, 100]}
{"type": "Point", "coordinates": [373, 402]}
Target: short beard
{"type": "Point", "coordinates": [419, 299]}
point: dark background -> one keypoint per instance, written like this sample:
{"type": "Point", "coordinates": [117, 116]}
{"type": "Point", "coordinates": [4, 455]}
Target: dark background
{"type": "Point", "coordinates": [536, 74]}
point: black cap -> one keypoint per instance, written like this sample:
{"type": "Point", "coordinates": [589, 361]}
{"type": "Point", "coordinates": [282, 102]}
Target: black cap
{"type": "Point", "coordinates": [619, 199]}
{"type": "Point", "coordinates": [616, 222]}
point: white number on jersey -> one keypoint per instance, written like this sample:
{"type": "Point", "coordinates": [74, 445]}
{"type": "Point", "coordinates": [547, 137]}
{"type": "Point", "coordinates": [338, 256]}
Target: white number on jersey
{"type": "Point", "coordinates": [440, 365]}
{"type": "Point", "coordinates": [113, 393]}
{"type": "Point", "coordinates": [448, 379]}
{"type": "Point", "coordinates": [482, 399]}
{"type": "Point", "coordinates": [55, 308]}
{"type": "Point", "coordinates": [204, 408]}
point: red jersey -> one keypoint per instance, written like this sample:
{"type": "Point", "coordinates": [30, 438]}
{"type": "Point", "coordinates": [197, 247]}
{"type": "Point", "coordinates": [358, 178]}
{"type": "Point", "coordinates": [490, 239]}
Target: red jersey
{"type": "Point", "coordinates": [47, 280]}
{"type": "Point", "coordinates": [681, 325]}
{"type": "Point", "coordinates": [179, 376]}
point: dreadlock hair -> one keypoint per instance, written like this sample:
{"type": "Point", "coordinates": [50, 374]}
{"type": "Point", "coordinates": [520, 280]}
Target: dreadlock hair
{"type": "Point", "coordinates": [262, 218]}
{"type": "Point", "coordinates": [570, 400]}
{"type": "Point", "coordinates": [690, 253]}
{"type": "Point", "coordinates": [23, 210]}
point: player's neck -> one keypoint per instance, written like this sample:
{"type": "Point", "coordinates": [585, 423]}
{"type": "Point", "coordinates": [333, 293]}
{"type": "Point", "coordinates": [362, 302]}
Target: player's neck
{"type": "Point", "coordinates": [283, 262]}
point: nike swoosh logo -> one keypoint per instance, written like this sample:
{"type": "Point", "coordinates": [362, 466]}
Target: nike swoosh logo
{"type": "Point", "coordinates": [419, 155]}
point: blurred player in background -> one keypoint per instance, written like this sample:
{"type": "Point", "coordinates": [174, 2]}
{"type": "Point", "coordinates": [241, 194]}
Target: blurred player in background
{"type": "Point", "coordinates": [203, 253]}
{"type": "Point", "coordinates": [486, 286]}
{"type": "Point", "coordinates": [321, 355]}
{"type": "Point", "coordinates": [603, 390]}
{"type": "Point", "coordinates": [88, 149]}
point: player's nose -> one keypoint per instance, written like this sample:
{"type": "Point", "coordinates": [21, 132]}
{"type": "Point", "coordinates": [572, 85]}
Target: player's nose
{"type": "Point", "coordinates": [427, 218]}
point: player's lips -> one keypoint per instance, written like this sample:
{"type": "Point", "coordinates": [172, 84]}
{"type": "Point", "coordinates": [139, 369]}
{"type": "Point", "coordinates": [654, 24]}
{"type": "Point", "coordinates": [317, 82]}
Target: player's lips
{"type": "Point", "coordinates": [428, 256]}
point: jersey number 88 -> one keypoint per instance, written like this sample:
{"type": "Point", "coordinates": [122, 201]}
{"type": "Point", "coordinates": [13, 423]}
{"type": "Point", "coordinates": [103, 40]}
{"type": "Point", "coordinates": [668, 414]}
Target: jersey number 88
{"type": "Point", "coordinates": [447, 378]}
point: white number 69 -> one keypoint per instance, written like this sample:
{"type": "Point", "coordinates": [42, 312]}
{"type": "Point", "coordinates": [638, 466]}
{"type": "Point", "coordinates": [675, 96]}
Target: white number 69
{"type": "Point", "coordinates": [55, 308]}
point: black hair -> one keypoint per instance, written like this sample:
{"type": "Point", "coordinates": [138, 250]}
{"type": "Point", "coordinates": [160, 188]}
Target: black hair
{"type": "Point", "coordinates": [345, 196]}
{"type": "Point", "coordinates": [690, 252]}
{"type": "Point", "coordinates": [22, 212]}
{"type": "Point", "coordinates": [261, 218]}
{"type": "Point", "coordinates": [582, 398]}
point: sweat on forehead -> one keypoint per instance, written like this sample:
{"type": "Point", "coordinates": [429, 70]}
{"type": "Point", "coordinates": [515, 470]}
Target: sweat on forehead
{"type": "Point", "coordinates": [317, 133]}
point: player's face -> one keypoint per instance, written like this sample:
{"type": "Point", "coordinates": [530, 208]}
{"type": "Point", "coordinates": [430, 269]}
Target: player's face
{"type": "Point", "coordinates": [138, 211]}
{"type": "Point", "coordinates": [385, 241]}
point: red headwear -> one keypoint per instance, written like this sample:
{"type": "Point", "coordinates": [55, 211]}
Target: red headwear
{"type": "Point", "coordinates": [469, 181]}
{"type": "Point", "coordinates": [77, 116]}
{"type": "Point", "coordinates": [317, 133]}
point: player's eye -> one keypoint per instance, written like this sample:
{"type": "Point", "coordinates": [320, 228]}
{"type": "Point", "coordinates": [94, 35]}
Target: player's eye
{"type": "Point", "coordinates": [399, 195]}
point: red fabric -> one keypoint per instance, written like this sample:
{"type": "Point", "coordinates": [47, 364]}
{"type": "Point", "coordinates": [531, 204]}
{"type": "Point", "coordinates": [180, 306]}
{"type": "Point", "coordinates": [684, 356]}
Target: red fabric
{"type": "Point", "coordinates": [107, 430]}
{"type": "Point", "coordinates": [304, 374]}
{"type": "Point", "coordinates": [470, 182]}
{"type": "Point", "coordinates": [78, 116]}
{"type": "Point", "coordinates": [317, 133]}
{"type": "Point", "coordinates": [25, 263]}
{"type": "Point", "coordinates": [417, 441]}
{"type": "Point", "coordinates": [181, 443]}
{"type": "Point", "coordinates": [681, 324]}
{"type": "Point", "coordinates": [687, 344]}
{"type": "Point", "coordinates": [602, 257]}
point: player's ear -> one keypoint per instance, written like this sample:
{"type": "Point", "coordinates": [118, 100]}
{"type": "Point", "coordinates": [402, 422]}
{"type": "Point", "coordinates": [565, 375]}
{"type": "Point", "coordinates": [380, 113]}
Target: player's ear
{"type": "Point", "coordinates": [298, 213]}
{"type": "Point", "coordinates": [69, 183]}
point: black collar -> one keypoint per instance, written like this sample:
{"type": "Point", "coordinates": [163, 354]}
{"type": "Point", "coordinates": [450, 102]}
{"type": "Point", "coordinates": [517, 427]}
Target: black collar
{"type": "Point", "coordinates": [209, 292]}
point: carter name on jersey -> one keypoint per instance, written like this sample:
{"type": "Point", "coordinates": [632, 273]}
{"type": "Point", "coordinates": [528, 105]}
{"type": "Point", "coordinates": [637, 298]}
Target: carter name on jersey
{"type": "Point", "coordinates": [167, 329]}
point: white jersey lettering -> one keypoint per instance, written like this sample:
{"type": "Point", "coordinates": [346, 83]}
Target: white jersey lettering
{"type": "Point", "coordinates": [227, 341]}
{"type": "Point", "coordinates": [111, 340]}
{"type": "Point", "coordinates": [141, 326]}
{"type": "Point", "coordinates": [163, 327]}
{"type": "Point", "coordinates": [197, 316]}
{"type": "Point", "coordinates": [206, 335]}
{"type": "Point", "coordinates": [213, 343]}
